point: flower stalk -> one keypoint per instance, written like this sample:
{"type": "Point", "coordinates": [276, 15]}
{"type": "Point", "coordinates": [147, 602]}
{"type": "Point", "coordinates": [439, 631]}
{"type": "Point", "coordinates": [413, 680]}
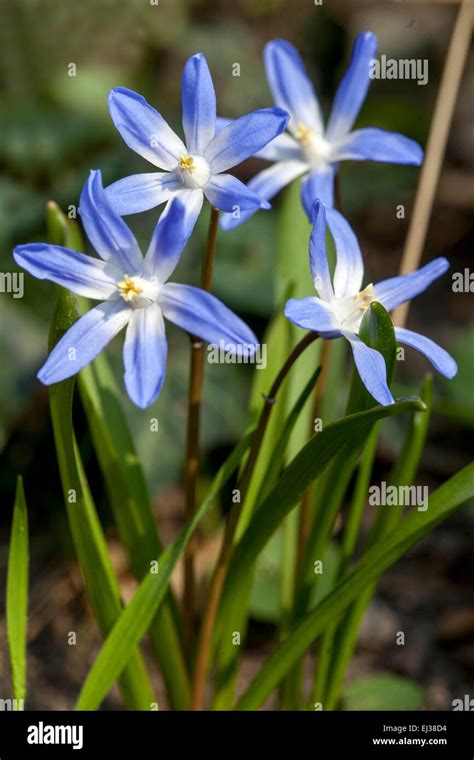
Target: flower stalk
{"type": "Point", "coordinates": [192, 437]}
{"type": "Point", "coordinates": [220, 570]}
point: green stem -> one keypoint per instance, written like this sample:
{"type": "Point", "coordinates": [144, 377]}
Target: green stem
{"type": "Point", "coordinates": [192, 438]}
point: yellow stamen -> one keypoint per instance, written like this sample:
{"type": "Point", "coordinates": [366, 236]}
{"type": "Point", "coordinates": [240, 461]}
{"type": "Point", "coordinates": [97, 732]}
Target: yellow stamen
{"type": "Point", "coordinates": [128, 288]}
{"type": "Point", "coordinates": [303, 134]}
{"type": "Point", "coordinates": [187, 162]}
{"type": "Point", "coordinates": [366, 297]}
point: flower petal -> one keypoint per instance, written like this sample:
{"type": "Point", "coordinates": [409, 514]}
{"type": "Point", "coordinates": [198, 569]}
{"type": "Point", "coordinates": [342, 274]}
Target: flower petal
{"type": "Point", "coordinates": [244, 137]}
{"type": "Point", "coordinates": [202, 314]}
{"type": "Point", "coordinates": [371, 368]}
{"type": "Point", "coordinates": [85, 340]}
{"type": "Point", "coordinates": [143, 129]}
{"type": "Point", "coordinates": [349, 271]}
{"type": "Point", "coordinates": [169, 238]}
{"type": "Point", "coordinates": [199, 104]}
{"type": "Point", "coordinates": [227, 193]}
{"type": "Point", "coordinates": [141, 192]}
{"type": "Point", "coordinates": [353, 88]}
{"type": "Point", "coordinates": [83, 275]}
{"type": "Point", "coordinates": [144, 355]}
{"type": "Point", "coordinates": [282, 148]}
{"type": "Point", "coordinates": [373, 144]}
{"type": "Point", "coordinates": [318, 185]}
{"type": "Point", "coordinates": [312, 314]}
{"type": "Point", "coordinates": [317, 254]}
{"type": "Point", "coordinates": [396, 290]}
{"type": "Point", "coordinates": [266, 184]}
{"type": "Point", "coordinates": [290, 85]}
{"type": "Point", "coordinates": [106, 230]}
{"type": "Point", "coordinates": [439, 358]}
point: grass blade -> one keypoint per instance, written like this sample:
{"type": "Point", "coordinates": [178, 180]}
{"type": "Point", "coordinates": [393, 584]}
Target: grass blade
{"type": "Point", "coordinates": [17, 595]}
{"type": "Point", "coordinates": [136, 618]}
{"type": "Point", "coordinates": [443, 502]}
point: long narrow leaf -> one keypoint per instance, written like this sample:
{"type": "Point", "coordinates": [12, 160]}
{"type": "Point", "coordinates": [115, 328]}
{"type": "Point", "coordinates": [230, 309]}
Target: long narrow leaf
{"type": "Point", "coordinates": [17, 595]}
{"type": "Point", "coordinates": [445, 500]}
{"type": "Point", "coordinates": [136, 618]}
{"type": "Point", "coordinates": [301, 471]}
{"type": "Point", "coordinates": [131, 506]}
{"type": "Point", "coordinates": [88, 538]}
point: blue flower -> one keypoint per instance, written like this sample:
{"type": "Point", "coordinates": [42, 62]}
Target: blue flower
{"type": "Point", "coordinates": [310, 150]}
{"type": "Point", "coordinates": [134, 291]}
{"type": "Point", "coordinates": [195, 169]}
{"type": "Point", "coordinates": [341, 305]}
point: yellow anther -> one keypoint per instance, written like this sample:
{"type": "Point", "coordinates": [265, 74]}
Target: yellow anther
{"type": "Point", "coordinates": [303, 134]}
{"type": "Point", "coordinates": [187, 162]}
{"type": "Point", "coordinates": [366, 297]}
{"type": "Point", "coordinates": [128, 287]}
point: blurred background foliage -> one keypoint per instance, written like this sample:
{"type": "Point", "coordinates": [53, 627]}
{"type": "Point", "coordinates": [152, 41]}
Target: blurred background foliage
{"type": "Point", "coordinates": [55, 127]}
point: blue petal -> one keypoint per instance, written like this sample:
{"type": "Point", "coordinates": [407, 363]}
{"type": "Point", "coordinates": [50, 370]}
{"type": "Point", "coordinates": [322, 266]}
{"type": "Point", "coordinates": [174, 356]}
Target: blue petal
{"type": "Point", "coordinates": [439, 358]}
{"type": "Point", "coordinates": [395, 291]}
{"type": "Point", "coordinates": [143, 129]}
{"type": "Point", "coordinates": [349, 271]}
{"type": "Point", "coordinates": [282, 148]}
{"type": "Point", "coordinates": [169, 238]}
{"type": "Point", "coordinates": [266, 184]}
{"type": "Point", "coordinates": [199, 104]}
{"type": "Point", "coordinates": [227, 193]}
{"type": "Point", "coordinates": [373, 144]}
{"type": "Point", "coordinates": [371, 368]}
{"type": "Point", "coordinates": [317, 254]}
{"type": "Point", "coordinates": [144, 355]}
{"type": "Point", "coordinates": [244, 137]}
{"type": "Point", "coordinates": [203, 315]}
{"type": "Point", "coordinates": [318, 185]}
{"type": "Point", "coordinates": [92, 278]}
{"type": "Point", "coordinates": [85, 340]}
{"type": "Point", "coordinates": [106, 230]}
{"type": "Point", "coordinates": [312, 314]}
{"type": "Point", "coordinates": [353, 88]}
{"type": "Point", "coordinates": [291, 88]}
{"type": "Point", "coordinates": [141, 192]}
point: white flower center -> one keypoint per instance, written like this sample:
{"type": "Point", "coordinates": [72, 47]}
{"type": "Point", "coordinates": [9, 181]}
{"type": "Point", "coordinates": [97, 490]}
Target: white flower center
{"type": "Point", "coordinates": [314, 146]}
{"type": "Point", "coordinates": [139, 292]}
{"type": "Point", "coordinates": [349, 311]}
{"type": "Point", "coordinates": [194, 171]}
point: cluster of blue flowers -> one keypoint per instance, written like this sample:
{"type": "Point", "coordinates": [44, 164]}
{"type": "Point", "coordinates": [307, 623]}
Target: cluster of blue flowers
{"type": "Point", "coordinates": [134, 290]}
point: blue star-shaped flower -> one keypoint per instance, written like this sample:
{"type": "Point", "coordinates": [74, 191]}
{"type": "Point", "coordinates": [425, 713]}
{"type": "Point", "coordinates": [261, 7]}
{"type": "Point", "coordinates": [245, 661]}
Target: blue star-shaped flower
{"type": "Point", "coordinates": [134, 291]}
{"type": "Point", "coordinates": [197, 168]}
{"type": "Point", "coordinates": [341, 305]}
{"type": "Point", "coordinates": [309, 149]}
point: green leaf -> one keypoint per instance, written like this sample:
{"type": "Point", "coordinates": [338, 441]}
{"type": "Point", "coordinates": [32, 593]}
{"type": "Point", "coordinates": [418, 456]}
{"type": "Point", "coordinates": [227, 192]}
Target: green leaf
{"type": "Point", "coordinates": [383, 691]}
{"type": "Point", "coordinates": [443, 502]}
{"type": "Point", "coordinates": [131, 506]}
{"type": "Point", "coordinates": [403, 473]}
{"type": "Point", "coordinates": [88, 538]}
{"type": "Point", "coordinates": [136, 618]}
{"type": "Point", "coordinates": [302, 470]}
{"type": "Point", "coordinates": [17, 595]}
